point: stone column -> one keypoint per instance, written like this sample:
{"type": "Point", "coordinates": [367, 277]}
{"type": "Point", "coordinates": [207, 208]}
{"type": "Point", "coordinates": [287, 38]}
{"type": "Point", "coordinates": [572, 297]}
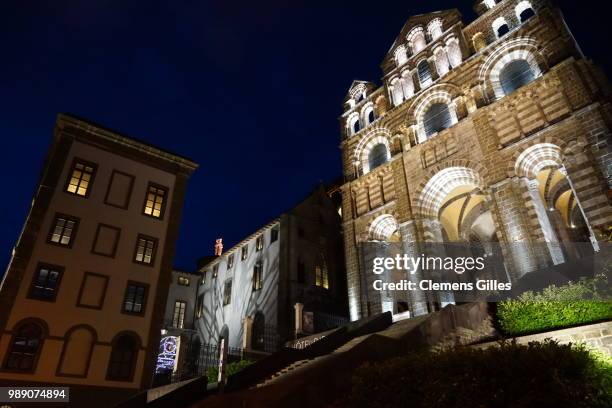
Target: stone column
{"type": "Point", "coordinates": [515, 229]}
{"type": "Point", "coordinates": [550, 236]}
{"type": "Point", "coordinates": [247, 329]}
{"type": "Point", "coordinates": [299, 309]}
{"type": "Point", "coordinates": [437, 250]}
{"type": "Point", "coordinates": [410, 247]}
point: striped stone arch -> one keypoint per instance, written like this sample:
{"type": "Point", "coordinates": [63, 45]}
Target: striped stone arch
{"type": "Point", "coordinates": [444, 178]}
{"type": "Point", "coordinates": [525, 48]}
{"type": "Point", "coordinates": [372, 138]}
{"type": "Point", "coordinates": [442, 93]}
{"type": "Point", "coordinates": [382, 227]}
{"type": "Point", "coordinates": [525, 161]}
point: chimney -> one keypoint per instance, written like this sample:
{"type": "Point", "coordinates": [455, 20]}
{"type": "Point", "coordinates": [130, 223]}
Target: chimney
{"type": "Point", "coordinates": [218, 246]}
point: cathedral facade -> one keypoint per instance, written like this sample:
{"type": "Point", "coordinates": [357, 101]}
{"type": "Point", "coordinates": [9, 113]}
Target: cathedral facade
{"type": "Point", "coordinates": [492, 132]}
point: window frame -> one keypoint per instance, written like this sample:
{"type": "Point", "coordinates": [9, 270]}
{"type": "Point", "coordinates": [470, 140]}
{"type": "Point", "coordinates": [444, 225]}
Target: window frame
{"type": "Point", "coordinates": [162, 210]}
{"type": "Point", "coordinates": [227, 298]}
{"type": "Point", "coordinates": [257, 276]}
{"type": "Point", "coordinates": [75, 161]}
{"type": "Point", "coordinates": [145, 296]}
{"type": "Point", "coordinates": [136, 351]}
{"type": "Point", "coordinates": [58, 268]}
{"type": "Point", "coordinates": [199, 312]}
{"type": "Point", "coordinates": [274, 231]}
{"type": "Point", "coordinates": [147, 238]}
{"type": "Point", "coordinates": [178, 281]}
{"type": "Point", "coordinates": [96, 236]}
{"type": "Point", "coordinates": [244, 252]}
{"type": "Point", "coordinates": [82, 288]}
{"type": "Point", "coordinates": [259, 243]}
{"type": "Point", "coordinates": [130, 191]}
{"type": "Point", "coordinates": [9, 349]}
{"type": "Point", "coordinates": [230, 261]}
{"type": "Point", "coordinates": [184, 304]}
{"type": "Point", "coordinates": [67, 217]}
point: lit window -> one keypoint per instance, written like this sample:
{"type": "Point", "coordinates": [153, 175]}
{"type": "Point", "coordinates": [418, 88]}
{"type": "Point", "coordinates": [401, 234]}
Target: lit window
{"type": "Point", "coordinates": [145, 250]}
{"type": "Point", "coordinates": [258, 276]}
{"type": "Point", "coordinates": [245, 252]}
{"type": "Point", "coordinates": [322, 275]}
{"type": "Point", "coordinates": [424, 74]}
{"type": "Point", "coordinates": [24, 348]}
{"type": "Point", "coordinates": [183, 281]}
{"type": "Point", "coordinates": [178, 318]}
{"type": "Point", "coordinates": [46, 282]}
{"type": "Point", "coordinates": [155, 202]}
{"type": "Point", "coordinates": [64, 230]}
{"type": "Point", "coordinates": [274, 234]}
{"type": "Point", "coordinates": [227, 292]}
{"type": "Point", "coordinates": [135, 297]}
{"type": "Point", "coordinates": [230, 261]}
{"type": "Point", "coordinates": [259, 243]}
{"type": "Point", "coordinates": [81, 178]}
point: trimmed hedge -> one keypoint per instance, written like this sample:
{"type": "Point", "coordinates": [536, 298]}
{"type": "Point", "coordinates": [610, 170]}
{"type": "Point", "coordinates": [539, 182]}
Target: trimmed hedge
{"type": "Point", "coordinates": [232, 368]}
{"type": "Point", "coordinates": [582, 302]}
{"type": "Point", "coordinates": [519, 376]}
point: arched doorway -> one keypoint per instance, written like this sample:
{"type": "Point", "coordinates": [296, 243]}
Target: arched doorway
{"type": "Point", "coordinates": [258, 337]}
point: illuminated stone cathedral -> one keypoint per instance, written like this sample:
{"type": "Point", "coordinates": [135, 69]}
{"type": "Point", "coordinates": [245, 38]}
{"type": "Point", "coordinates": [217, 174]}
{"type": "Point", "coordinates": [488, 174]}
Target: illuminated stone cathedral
{"type": "Point", "coordinates": [492, 132]}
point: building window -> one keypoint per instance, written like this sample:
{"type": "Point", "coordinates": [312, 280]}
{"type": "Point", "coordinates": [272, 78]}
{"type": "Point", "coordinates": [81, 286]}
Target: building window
{"type": "Point", "coordinates": [245, 252]}
{"type": "Point", "coordinates": [155, 202]}
{"type": "Point", "coordinates": [215, 271]}
{"type": "Point", "coordinates": [301, 272]}
{"type": "Point", "coordinates": [63, 230]}
{"type": "Point", "coordinates": [46, 282]}
{"type": "Point", "coordinates": [227, 292]}
{"type": "Point", "coordinates": [230, 261]}
{"type": "Point", "coordinates": [515, 75]}
{"type": "Point", "coordinates": [199, 307]}
{"type": "Point", "coordinates": [135, 298]}
{"type": "Point", "coordinates": [436, 119]}
{"type": "Point", "coordinates": [259, 243]}
{"type": "Point", "coordinates": [424, 73]}
{"type": "Point", "coordinates": [274, 234]}
{"type": "Point", "coordinates": [81, 178]}
{"type": "Point", "coordinates": [378, 156]}
{"type": "Point", "coordinates": [501, 27]}
{"type": "Point", "coordinates": [258, 276]}
{"type": "Point", "coordinates": [524, 11]}
{"type": "Point", "coordinates": [122, 359]}
{"type": "Point", "coordinates": [322, 275]}
{"type": "Point", "coordinates": [25, 348]}
{"type": "Point", "coordinates": [178, 318]}
{"type": "Point", "coordinates": [145, 250]}
{"type": "Point", "coordinates": [183, 281]}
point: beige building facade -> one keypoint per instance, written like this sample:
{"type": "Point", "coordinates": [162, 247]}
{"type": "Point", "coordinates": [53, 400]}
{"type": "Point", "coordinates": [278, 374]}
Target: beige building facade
{"type": "Point", "coordinates": [492, 132]}
{"type": "Point", "coordinates": [82, 301]}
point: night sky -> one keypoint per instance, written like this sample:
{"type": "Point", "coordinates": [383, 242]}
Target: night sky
{"type": "Point", "coordinates": [251, 90]}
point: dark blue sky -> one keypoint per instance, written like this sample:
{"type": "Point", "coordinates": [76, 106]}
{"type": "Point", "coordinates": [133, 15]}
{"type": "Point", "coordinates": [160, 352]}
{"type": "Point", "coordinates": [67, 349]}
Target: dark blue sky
{"type": "Point", "coordinates": [250, 90]}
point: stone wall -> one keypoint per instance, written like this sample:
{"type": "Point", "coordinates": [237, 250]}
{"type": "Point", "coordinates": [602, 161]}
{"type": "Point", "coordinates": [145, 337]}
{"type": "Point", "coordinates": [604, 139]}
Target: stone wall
{"type": "Point", "coordinates": [597, 336]}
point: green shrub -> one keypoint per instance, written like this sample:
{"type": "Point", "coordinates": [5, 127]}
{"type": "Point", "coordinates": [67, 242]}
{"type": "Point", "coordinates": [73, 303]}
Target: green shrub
{"type": "Point", "coordinates": [232, 368]}
{"type": "Point", "coordinates": [519, 376]}
{"type": "Point", "coordinates": [582, 302]}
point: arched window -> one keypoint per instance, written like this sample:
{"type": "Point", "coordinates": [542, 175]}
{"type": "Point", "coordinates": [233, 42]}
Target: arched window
{"type": "Point", "coordinates": [501, 27]}
{"type": "Point", "coordinates": [25, 347]}
{"type": "Point", "coordinates": [356, 126]}
{"type": "Point", "coordinates": [424, 73]}
{"type": "Point", "coordinates": [416, 40]}
{"type": "Point", "coordinates": [77, 352]}
{"type": "Point", "coordinates": [407, 84]}
{"type": "Point", "coordinates": [516, 74]}
{"type": "Point", "coordinates": [490, 3]}
{"type": "Point", "coordinates": [400, 55]}
{"type": "Point", "coordinates": [353, 124]}
{"type": "Point", "coordinates": [378, 156]}
{"type": "Point", "coordinates": [371, 117]}
{"type": "Point", "coordinates": [442, 64]}
{"type": "Point", "coordinates": [123, 358]}
{"type": "Point", "coordinates": [454, 53]}
{"type": "Point", "coordinates": [524, 11]}
{"type": "Point", "coordinates": [436, 119]}
{"type": "Point", "coordinates": [396, 92]}
{"type": "Point", "coordinates": [434, 28]}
